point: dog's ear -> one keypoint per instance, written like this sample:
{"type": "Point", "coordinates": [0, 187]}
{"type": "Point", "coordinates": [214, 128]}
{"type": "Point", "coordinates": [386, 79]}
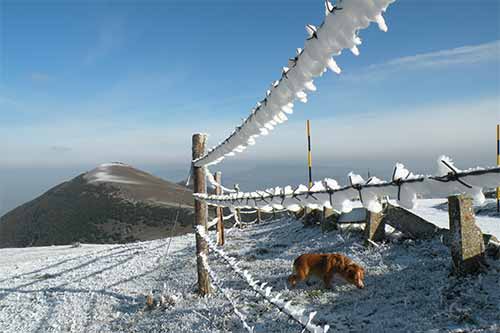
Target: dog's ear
{"type": "Point", "coordinates": [361, 273]}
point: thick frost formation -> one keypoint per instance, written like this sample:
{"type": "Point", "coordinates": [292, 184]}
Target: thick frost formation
{"type": "Point", "coordinates": [404, 187]}
{"type": "Point", "coordinates": [338, 31]}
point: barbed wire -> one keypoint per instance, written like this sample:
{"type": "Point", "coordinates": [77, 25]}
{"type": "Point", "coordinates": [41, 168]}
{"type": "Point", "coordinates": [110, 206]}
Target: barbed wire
{"type": "Point", "coordinates": [297, 315]}
{"type": "Point", "coordinates": [338, 31]}
{"type": "Point", "coordinates": [404, 187]}
{"type": "Point", "coordinates": [219, 284]}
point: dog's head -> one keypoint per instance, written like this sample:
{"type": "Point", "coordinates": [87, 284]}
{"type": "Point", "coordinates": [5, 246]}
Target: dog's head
{"type": "Point", "coordinates": [292, 280]}
{"type": "Point", "coordinates": [356, 275]}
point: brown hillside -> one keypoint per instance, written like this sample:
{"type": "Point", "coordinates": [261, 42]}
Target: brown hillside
{"type": "Point", "coordinates": [112, 203]}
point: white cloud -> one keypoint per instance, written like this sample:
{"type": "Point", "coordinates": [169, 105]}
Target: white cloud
{"type": "Point", "coordinates": [94, 141]}
{"type": "Point", "coordinates": [465, 130]}
{"type": "Point", "coordinates": [60, 149]}
{"type": "Point", "coordinates": [109, 37]}
{"type": "Point", "coordinates": [38, 77]}
{"type": "Point", "coordinates": [460, 56]}
{"type": "Point", "coordinates": [457, 56]}
{"type": "Point", "coordinates": [8, 101]}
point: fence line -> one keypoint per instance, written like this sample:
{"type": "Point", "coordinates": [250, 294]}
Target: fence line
{"type": "Point", "coordinates": [214, 183]}
{"type": "Point", "coordinates": [214, 221]}
{"type": "Point", "coordinates": [404, 187]}
{"type": "Point", "coordinates": [248, 211]}
{"type": "Point", "coordinates": [218, 283]}
{"type": "Point", "coordinates": [338, 31]}
{"type": "Point", "coordinates": [283, 306]}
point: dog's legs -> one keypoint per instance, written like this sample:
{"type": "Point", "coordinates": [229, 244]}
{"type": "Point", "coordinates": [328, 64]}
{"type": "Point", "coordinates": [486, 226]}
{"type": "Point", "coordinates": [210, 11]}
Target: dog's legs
{"type": "Point", "coordinates": [327, 279]}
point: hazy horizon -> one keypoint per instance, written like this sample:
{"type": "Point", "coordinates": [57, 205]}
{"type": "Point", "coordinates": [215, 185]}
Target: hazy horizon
{"type": "Point", "coordinates": [20, 185]}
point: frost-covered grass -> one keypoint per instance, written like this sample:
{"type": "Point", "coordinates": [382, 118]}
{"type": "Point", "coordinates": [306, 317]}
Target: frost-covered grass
{"type": "Point", "coordinates": [102, 288]}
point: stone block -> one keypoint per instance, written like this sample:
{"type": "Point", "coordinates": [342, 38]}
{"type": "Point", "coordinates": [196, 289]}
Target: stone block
{"type": "Point", "coordinates": [374, 227]}
{"type": "Point", "coordinates": [410, 224]}
{"type": "Point", "coordinates": [467, 244]}
{"type": "Point", "coordinates": [329, 220]}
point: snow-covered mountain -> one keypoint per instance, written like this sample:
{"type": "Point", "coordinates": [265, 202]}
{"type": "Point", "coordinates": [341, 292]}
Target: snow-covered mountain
{"type": "Point", "coordinates": [112, 203]}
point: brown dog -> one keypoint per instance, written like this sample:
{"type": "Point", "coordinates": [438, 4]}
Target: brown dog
{"type": "Point", "coordinates": [325, 266]}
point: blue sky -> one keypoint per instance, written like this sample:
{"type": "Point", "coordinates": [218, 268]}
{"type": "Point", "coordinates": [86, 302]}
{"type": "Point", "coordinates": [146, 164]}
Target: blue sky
{"type": "Point", "coordinates": [86, 82]}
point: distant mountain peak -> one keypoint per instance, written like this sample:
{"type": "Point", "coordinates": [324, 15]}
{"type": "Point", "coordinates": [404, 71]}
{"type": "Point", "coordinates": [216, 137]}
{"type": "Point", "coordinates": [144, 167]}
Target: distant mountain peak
{"type": "Point", "coordinates": [109, 173]}
{"type": "Point", "coordinates": [114, 202]}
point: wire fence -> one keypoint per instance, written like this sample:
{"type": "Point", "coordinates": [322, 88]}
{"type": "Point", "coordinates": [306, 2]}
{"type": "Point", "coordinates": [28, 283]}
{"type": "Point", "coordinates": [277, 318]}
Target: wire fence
{"type": "Point", "coordinates": [293, 312]}
{"type": "Point", "coordinates": [405, 187]}
{"type": "Point", "coordinates": [339, 30]}
{"type": "Point", "coordinates": [219, 284]}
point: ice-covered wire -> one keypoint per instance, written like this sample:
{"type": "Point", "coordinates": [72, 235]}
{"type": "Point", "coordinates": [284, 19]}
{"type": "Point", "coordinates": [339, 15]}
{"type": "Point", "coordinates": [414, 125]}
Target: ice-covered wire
{"type": "Point", "coordinates": [214, 183]}
{"type": "Point", "coordinates": [405, 186]}
{"type": "Point", "coordinates": [338, 31]}
{"type": "Point", "coordinates": [243, 212]}
{"type": "Point", "coordinates": [275, 299]}
{"type": "Point", "coordinates": [254, 221]}
{"type": "Point", "coordinates": [218, 283]}
{"type": "Point", "coordinates": [214, 221]}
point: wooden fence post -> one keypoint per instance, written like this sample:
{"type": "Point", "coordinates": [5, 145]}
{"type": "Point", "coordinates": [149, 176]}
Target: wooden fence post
{"type": "Point", "coordinates": [220, 212]}
{"type": "Point", "coordinates": [200, 214]}
{"type": "Point", "coordinates": [467, 245]}
{"type": "Point", "coordinates": [238, 216]}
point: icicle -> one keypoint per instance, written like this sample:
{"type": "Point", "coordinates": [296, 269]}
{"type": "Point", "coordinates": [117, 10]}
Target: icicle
{"type": "Point", "coordinates": [310, 86]}
{"type": "Point", "coordinates": [332, 65]}
{"type": "Point", "coordinates": [381, 22]}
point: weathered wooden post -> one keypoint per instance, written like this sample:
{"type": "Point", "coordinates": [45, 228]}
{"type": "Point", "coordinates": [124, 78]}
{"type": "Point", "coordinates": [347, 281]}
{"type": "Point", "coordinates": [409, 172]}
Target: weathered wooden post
{"type": "Point", "coordinates": [238, 217]}
{"type": "Point", "coordinates": [374, 227]}
{"type": "Point", "coordinates": [200, 214]}
{"type": "Point", "coordinates": [259, 217]}
{"type": "Point", "coordinates": [220, 212]}
{"type": "Point", "coordinates": [467, 245]}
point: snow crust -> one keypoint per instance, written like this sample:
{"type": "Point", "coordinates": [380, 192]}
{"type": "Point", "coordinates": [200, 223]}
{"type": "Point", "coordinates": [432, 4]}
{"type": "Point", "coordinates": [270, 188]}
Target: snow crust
{"type": "Point", "coordinates": [104, 173]}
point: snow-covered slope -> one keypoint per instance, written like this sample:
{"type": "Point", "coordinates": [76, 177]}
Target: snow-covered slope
{"type": "Point", "coordinates": [102, 288]}
{"type": "Point", "coordinates": [138, 185]}
{"type": "Point", "coordinates": [436, 211]}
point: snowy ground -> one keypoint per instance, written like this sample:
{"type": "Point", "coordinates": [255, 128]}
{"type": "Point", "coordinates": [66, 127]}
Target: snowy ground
{"type": "Point", "coordinates": [102, 288]}
{"type": "Point", "coordinates": [436, 211]}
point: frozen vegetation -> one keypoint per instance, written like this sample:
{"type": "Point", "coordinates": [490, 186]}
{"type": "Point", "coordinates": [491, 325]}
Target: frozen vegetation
{"type": "Point", "coordinates": [103, 288]}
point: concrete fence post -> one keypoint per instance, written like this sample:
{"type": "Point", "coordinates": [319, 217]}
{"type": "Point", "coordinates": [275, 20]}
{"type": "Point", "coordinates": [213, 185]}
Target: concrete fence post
{"type": "Point", "coordinates": [374, 227]}
{"type": "Point", "coordinates": [467, 245]}
{"type": "Point", "coordinates": [327, 212]}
